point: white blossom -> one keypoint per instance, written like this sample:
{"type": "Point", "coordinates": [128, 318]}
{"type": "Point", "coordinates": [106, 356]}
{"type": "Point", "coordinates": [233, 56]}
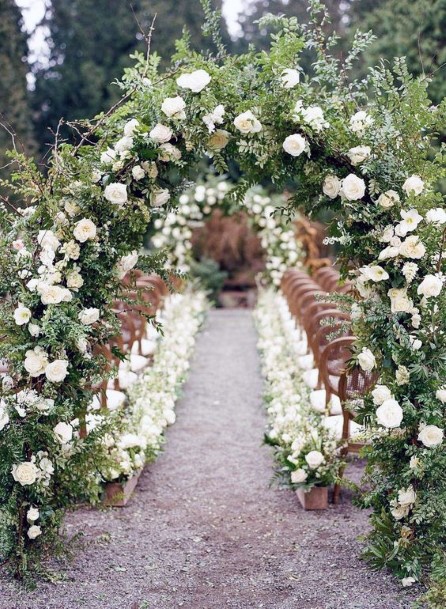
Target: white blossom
{"type": "Point", "coordinates": [195, 81]}
{"type": "Point", "coordinates": [247, 123]}
{"type": "Point", "coordinates": [116, 193]}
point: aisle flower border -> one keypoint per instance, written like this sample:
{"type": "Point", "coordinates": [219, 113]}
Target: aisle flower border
{"type": "Point", "coordinates": [139, 434]}
{"type": "Point", "coordinates": [306, 448]}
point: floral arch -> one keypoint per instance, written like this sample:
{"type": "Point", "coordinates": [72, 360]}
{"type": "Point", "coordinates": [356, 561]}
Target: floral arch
{"type": "Point", "coordinates": [363, 149]}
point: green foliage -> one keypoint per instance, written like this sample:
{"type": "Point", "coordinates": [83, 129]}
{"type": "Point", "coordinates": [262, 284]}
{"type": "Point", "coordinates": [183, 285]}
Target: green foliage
{"type": "Point", "coordinates": [413, 29]}
{"type": "Point", "coordinates": [15, 114]}
{"type": "Point", "coordinates": [90, 43]}
{"type": "Point", "coordinates": [209, 275]}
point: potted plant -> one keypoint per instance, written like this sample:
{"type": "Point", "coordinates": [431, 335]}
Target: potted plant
{"type": "Point", "coordinates": [310, 463]}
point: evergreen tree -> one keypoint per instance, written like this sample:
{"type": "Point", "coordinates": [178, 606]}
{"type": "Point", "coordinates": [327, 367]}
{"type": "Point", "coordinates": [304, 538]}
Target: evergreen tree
{"type": "Point", "coordinates": [289, 8]}
{"type": "Point", "coordinates": [14, 102]}
{"type": "Point", "coordinates": [411, 28]}
{"type": "Point", "coordinates": [90, 42]}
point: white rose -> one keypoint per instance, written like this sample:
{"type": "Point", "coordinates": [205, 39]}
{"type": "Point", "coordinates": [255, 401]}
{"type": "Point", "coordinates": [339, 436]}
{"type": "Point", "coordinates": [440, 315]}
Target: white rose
{"type": "Point", "coordinates": [406, 582]}
{"type": "Point", "coordinates": [218, 140]}
{"type": "Point", "coordinates": [388, 199]}
{"type": "Point", "coordinates": [389, 414]}
{"type": "Point", "coordinates": [173, 107]}
{"type": "Point", "coordinates": [412, 247]}
{"type": "Point", "coordinates": [116, 193]}
{"type": "Point", "coordinates": [127, 263]}
{"type": "Point", "coordinates": [290, 78]}
{"type": "Point", "coordinates": [247, 123]}
{"type": "Point", "coordinates": [63, 432]}
{"type": "Point", "coordinates": [84, 230]}
{"type": "Point", "coordinates": [34, 531]}
{"type": "Point", "coordinates": [407, 496]}
{"type": "Point", "coordinates": [159, 197]}
{"type": "Point", "coordinates": [353, 188]}
{"type": "Point", "coordinates": [150, 168]}
{"type": "Point", "coordinates": [53, 294]}
{"type": "Point", "coordinates": [168, 152]}
{"type": "Point", "coordinates": [436, 216]}
{"type": "Point", "coordinates": [35, 362]}
{"type": "Point", "coordinates": [32, 514]}
{"type": "Point", "coordinates": [399, 300]}
{"type": "Point", "coordinates": [25, 473]}
{"type": "Point", "coordinates": [74, 279]}
{"type": "Point", "coordinates": [56, 371]}
{"type": "Point", "coordinates": [314, 116]}
{"type": "Point", "coordinates": [380, 394]}
{"type": "Point", "coordinates": [430, 436]}
{"type": "Point", "coordinates": [48, 240]}
{"type": "Point", "coordinates": [299, 476]}
{"type": "Point", "coordinates": [331, 186]}
{"type": "Point", "coordinates": [413, 185]}
{"type": "Point", "coordinates": [314, 458]}
{"type": "Point", "coordinates": [130, 126]}
{"type": "Point", "coordinates": [360, 121]}
{"type": "Point", "coordinates": [295, 144]}
{"type": "Point", "coordinates": [415, 343]}
{"type": "Point", "coordinates": [400, 511]}
{"type": "Point", "coordinates": [440, 394]}
{"type": "Point", "coordinates": [71, 250]}
{"type": "Point", "coordinates": [402, 375]}
{"type": "Point", "coordinates": [124, 144]}
{"type": "Point", "coordinates": [359, 154]}
{"type": "Point", "coordinates": [214, 118]}
{"type": "Point", "coordinates": [4, 417]}
{"type": "Point", "coordinates": [138, 172]}
{"type": "Point", "coordinates": [388, 252]}
{"type": "Point", "coordinates": [366, 360]}
{"type": "Point", "coordinates": [195, 81]}
{"type": "Point", "coordinates": [89, 316]}
{"type": "Point", "coordinates": [374, 273]}
{"type": "Point", "coordinates": [22, 315]}
{"type": "Point", "coordinates": [409, 223]}
{"type": "Point", "coordinates": [161, 134]}
{"type": "Point", "coordinates": [108, 156]}
{"type": "Point", "coordinates": [430, 286]}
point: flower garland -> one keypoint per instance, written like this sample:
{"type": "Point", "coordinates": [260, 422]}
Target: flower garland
{"type": "Point", "coordinates": [306, 448]}
{"type": "Point", "coordinates": [152, 398]}
{"type": "Point", "coordinates": [277, 236]}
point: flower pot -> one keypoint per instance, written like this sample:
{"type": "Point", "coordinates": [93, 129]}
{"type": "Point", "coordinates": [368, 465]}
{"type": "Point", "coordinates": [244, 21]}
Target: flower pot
{"type": "Point", "coordinates": [117, 494]}
{"type": "Point", "coordinates": [314, 499]}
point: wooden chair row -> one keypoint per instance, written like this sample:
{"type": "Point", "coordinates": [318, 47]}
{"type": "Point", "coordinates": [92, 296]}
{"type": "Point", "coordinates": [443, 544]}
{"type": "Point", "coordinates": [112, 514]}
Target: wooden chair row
{"type": "Point", "coordinates": [329, 339]}
{"type": "Point", "coordinates": [144, 297]}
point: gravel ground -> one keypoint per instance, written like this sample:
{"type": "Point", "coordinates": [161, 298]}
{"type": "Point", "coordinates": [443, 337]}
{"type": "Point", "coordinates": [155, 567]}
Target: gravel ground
{"type": "Point", "coordinates": [204, 529]}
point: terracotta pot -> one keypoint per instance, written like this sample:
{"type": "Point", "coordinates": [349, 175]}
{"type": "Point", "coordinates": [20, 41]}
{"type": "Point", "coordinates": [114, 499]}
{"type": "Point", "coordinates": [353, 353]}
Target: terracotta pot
{"type": "Point", "coordinates": [117, 494]}
{"type": "Point", "coordinates": [314, 499]}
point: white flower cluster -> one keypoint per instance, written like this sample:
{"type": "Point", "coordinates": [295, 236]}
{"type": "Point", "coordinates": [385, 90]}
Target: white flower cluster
{"type": "Point", "coordinates": [313, 116]}
{"type": "Point", "coordinates": [282, 250]}
{"type": "Point", "coordinates": [294, 424]}
{"type": "Point", "coordinates": [152, 398]}
{"type": "Point", "coordinates": [175, 230]}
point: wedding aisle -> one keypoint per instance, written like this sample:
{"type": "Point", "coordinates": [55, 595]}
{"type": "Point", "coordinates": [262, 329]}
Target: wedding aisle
{"type": "Point", "coordinates": [204, 529]}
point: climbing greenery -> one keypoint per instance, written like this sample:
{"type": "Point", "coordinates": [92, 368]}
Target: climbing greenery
{"type": "Point", "coordinates": [362, 149]}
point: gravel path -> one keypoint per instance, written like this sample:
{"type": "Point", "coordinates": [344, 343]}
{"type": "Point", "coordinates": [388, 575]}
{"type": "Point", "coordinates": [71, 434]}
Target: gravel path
{"type": "Point", "coordinates": [204, 529]}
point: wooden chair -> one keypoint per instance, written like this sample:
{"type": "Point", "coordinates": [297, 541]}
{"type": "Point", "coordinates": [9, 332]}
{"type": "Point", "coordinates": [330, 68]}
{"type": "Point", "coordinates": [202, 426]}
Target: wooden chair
{"type": "Point", "coordinates": [319, 336]}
